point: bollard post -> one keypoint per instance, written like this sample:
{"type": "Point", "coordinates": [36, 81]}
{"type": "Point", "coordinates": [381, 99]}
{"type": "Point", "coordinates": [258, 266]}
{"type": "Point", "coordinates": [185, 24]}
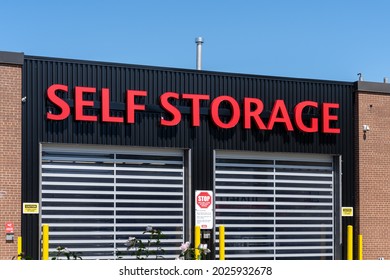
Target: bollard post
{"type": "Point", "coordinates": [222, 242]}
{"type": "Point", "coordinates": [197, 242]}
{"type": "Point", "coordinates": [350, 242]}
{"type": "Point", "coordinates": [45, 242]}
{"type": "Point", "coordinates": [360, 247]}
{"type": "Point", "coordinates": [20, 248]}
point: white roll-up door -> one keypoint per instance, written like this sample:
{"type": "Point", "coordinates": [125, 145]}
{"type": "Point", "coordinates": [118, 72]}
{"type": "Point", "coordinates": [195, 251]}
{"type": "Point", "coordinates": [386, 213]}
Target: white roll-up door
{"type": "Point", "coordinates": [94, 199]}
{"type": "Point", "coordinates": [275, 206]}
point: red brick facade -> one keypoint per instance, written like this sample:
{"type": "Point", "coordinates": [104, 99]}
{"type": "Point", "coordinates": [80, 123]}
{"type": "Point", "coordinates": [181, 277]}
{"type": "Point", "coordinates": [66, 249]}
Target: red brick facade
{"type": "Point", "coordinates": [11, 155]}
{"type": "Point", "coordinates": [373, 170]}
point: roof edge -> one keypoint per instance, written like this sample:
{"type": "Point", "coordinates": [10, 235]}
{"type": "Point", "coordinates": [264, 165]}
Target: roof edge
{"type": "Point", "coordinates": [14, 58]}
{"type": "Point", "coordinates": [373, 87]}
{"type": "Point", "coordinates": [187, 70]}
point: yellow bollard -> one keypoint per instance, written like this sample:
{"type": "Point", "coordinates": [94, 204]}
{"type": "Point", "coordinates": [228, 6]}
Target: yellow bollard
{"type": "Point", "coordinates": [197, 241]}
{"type": "Point", "coordinates": [350, 243]}
{"type": "Point", "coordinates": [45, 242]}
{"type": "Point", "coordinates": [222, 242]}
{"type": "Point", "coordinates": [19, 248]}
{"type": "Point", "coordinates": [360, 247]}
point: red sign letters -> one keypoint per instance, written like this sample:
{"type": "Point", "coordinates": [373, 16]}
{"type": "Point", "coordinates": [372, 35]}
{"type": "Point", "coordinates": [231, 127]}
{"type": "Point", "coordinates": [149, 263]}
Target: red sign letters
{"type": "Point", "coordinates": [250, 114]}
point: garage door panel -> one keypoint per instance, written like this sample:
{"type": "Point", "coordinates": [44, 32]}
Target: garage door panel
{"type": "Point", "coordinates": [285, 201]}
{"type": "Point", "coordinates": [94, 199]}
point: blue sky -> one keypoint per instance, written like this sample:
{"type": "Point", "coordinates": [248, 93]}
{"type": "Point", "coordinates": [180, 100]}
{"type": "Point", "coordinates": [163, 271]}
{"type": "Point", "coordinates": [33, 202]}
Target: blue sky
{"type": "Point", "coordinates": [329, 40]}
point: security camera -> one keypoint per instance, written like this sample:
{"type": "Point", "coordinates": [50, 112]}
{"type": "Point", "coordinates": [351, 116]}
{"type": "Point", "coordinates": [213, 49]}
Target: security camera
{"type": "Point", "coordinates": [24, 98]}
{"type": "Point", "coordinates": [366, 128]}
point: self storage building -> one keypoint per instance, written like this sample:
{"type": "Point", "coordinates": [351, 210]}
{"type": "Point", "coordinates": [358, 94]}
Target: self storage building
{"type": "Point", "coordinates": [99, 151]}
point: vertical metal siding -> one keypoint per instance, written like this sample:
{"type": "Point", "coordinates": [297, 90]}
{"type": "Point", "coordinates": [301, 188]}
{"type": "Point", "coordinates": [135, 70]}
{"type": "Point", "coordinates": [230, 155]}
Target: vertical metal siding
{"type": "Point", "coordinates": [39, 73]}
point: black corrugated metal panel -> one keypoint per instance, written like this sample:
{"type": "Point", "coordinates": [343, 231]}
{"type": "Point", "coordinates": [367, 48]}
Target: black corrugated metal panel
{"type": "Point", "coordinates": [39, 73]}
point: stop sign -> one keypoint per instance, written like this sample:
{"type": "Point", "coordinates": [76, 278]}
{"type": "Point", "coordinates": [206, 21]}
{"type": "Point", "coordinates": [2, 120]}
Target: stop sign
{"type": "Point", "coordinates": [204, 200]}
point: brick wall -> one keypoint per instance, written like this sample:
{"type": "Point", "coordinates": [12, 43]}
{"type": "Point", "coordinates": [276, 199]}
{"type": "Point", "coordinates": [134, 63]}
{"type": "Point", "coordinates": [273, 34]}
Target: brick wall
{"type": "Point", "coordinates": [10, 154]}
{"type": "Point", "coordinates": [373, 150]}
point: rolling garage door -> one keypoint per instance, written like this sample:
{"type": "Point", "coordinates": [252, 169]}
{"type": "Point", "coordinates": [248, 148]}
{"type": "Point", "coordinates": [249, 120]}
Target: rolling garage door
{"type": "Point", "coordinates": [94, 199]}
{"type": "Point", "coordinates": [275, 206]}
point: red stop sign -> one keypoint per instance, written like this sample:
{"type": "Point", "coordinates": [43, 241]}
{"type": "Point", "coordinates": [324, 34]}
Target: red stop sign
{"type": "Point", "coordinates": [203, 199]}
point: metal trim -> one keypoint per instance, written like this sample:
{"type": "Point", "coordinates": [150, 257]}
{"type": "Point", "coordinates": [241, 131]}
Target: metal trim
{"type": "Point", "coordinates": [14, 58]}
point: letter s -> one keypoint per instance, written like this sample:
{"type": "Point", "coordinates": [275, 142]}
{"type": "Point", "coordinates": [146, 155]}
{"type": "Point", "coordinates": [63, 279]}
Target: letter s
{"type": "Point", "coordinates": [176, 115]}
{"type": "Point", "coordinates": [51, 95]}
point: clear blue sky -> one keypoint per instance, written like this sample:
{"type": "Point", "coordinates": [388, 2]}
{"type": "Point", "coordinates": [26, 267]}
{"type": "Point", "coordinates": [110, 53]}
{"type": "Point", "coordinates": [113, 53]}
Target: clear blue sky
{"type": "Point", "coordinates": [326, 39]}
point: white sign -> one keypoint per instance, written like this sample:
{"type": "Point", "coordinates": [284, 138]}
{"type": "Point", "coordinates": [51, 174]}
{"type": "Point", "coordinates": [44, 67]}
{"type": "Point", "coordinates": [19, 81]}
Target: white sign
{"type": "Point", "coordinates": [204, 219]}
{"type": "Point", "coordinates": [204, 214]}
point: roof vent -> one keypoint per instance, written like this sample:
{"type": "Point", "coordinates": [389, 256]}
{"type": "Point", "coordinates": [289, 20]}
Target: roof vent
{"type": "Point", "coordinates": [199, 42]}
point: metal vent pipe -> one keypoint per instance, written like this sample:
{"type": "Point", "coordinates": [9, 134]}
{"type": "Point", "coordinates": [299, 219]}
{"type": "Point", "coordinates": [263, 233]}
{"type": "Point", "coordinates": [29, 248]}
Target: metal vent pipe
{"type": "Point", "coordinates": [199, 42]}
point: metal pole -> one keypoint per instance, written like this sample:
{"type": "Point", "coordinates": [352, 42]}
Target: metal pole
{"type": "Point", "coordinates": [197, 241]}
{"type": "Point", "coordinates": [19, 248]}
{"type": "Point", "coordinates": [360, 247]}
{"type": "Point", "coordinates": [350, 243]}
{"type": "Point", "coordinates": [199, 42]}
{"type": "Point", "coordinates": [45, 242]}
{"type": "Point", "coordinates": [222, 243]}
